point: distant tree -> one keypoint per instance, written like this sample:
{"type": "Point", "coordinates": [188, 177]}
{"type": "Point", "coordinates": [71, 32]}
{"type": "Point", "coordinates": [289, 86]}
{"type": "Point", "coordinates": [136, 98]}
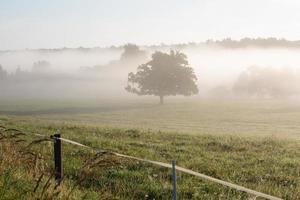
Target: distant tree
{"type": "Point", "coordinates": [132, 51]}
{"type": "Point", "coordinates": [267, 82]}
{"type": "Point", "coordinates": [165, 75]}
{"type": "Point", "coordinates": [3, 73]}
{"type": "Point", "coordinates": [41, 66]}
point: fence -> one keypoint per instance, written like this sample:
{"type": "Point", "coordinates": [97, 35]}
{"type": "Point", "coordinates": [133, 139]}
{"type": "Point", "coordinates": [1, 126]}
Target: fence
{"type": "Point", "coordinates": [57, 139]}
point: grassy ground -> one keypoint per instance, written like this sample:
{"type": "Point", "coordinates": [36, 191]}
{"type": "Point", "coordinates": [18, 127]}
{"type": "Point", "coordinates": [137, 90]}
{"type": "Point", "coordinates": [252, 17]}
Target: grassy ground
{"type": "Point", "coordinates": [259, 117]}
{"type": "Point", "coordinates": [261, 160]}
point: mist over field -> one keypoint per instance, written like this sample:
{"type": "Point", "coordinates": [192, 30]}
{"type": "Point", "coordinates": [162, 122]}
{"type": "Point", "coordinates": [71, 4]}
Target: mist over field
{"type": "Point", "coordinates": [102, 72]}
{"type": "Point", "coordinates": [139, 99]}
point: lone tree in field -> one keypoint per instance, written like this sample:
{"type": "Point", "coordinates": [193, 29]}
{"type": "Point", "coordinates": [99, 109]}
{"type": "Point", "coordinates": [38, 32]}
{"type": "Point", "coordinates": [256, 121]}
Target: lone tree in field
{"type": "Point", "coordinates": [165, 75]}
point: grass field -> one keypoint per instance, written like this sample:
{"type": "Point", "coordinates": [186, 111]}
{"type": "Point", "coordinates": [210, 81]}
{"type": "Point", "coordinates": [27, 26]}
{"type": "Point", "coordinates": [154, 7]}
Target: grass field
{"type": "Point", "coordinates": [260, 117]}
{"type": "Point", "coordinates": [251, 143]}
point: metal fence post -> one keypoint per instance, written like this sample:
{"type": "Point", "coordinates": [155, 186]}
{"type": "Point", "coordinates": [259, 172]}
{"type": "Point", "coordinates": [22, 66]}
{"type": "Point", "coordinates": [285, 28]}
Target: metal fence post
{"type": "Point", "coordinates": [174, 179]}
{"type": "Point", "coordinates": [57, 159]}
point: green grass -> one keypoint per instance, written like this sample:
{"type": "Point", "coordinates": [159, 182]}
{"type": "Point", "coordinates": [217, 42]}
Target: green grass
{"type": "Point", "coordinates": [257, 117]}
{"type": "Point", "coordinates": [254, 144]}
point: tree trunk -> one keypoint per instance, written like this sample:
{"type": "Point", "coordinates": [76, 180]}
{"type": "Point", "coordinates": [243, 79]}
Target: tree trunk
{"type": "Point", "coordinates": [161, 100]}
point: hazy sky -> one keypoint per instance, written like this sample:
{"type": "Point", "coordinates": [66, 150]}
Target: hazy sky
{"type": "Point", "coordinates": [88, 23]}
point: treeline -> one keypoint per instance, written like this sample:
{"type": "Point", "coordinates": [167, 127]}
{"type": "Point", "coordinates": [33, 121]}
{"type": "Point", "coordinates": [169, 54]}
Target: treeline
{"type": "Point", "coordinates": [270, 42]}
{"type": "Point", "coordinates": [256, 42]}
{"type": "Point", "coordinates": [40, 70]}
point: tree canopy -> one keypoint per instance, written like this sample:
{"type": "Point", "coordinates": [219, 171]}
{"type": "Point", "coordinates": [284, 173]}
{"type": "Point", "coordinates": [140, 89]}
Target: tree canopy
{"type": "Point", "coordinates": [164, 75]}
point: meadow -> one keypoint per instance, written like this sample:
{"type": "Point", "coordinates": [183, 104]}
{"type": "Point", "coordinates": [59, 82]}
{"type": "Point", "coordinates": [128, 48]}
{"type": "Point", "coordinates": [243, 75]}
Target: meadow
{"type": "Point", "coordinates": [278, 118]}
{"type": "Point", "coordinates": [254, 143]}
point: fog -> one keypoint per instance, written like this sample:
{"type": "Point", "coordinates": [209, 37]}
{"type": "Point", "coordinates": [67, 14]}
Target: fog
{"type": "Point", "coordinates": [66, 73]}
{"type": "Point", "coordinates": [102, 72]}
{"type": "Point", "coordinates": [62, 60]}
{"type": "Point", "coordinates": [219, 66]}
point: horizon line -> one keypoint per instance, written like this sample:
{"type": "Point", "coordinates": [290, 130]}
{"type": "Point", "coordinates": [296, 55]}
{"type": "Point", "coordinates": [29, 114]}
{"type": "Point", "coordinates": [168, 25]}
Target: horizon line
{"type": "Point", "coordinates": [148, 45]}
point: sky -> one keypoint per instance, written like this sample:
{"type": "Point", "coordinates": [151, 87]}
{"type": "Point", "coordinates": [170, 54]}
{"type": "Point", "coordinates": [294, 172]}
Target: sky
{"type": "Point", "coordinates": [33, 24]}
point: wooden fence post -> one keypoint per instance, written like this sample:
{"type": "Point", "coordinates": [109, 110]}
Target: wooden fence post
{"type": "Point", "coordinates": [57, 159]}
{"type": "Point", "coordinates": [174, 180]}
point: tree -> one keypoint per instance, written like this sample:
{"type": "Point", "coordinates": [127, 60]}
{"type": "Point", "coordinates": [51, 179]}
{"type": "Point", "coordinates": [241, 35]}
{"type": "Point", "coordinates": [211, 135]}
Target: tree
{"type": "Point", "coordinates": [132, 52]}
{"type": "Point", "coordinates": [41, 66]}
{"type": "Point", "coordinates": [267, 82]}
{"type": "Point", "coordinates": [164, 75]}
{"type": "Point", "coordinates": [3, 73]}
